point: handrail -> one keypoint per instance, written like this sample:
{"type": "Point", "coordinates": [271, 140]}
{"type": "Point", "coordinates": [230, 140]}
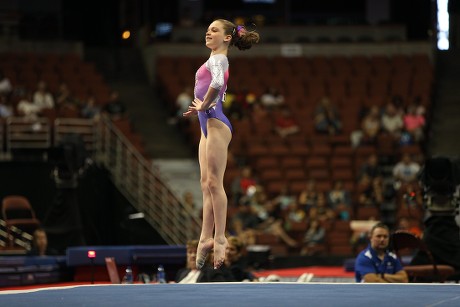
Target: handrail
{"type": "Point", "coordinates": [141, 183]}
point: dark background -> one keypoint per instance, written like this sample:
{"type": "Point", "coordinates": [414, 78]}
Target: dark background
{"type": "Point", "coordinates": [100, 23]}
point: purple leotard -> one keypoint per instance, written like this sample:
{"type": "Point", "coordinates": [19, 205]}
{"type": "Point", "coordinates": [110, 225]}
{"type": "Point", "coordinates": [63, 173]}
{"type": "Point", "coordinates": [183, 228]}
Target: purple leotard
{"type": "Point", "coordinates": [213, 73]}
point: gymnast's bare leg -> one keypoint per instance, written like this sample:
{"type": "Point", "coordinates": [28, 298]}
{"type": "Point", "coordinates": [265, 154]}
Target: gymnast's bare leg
{"type": "Point", "coordinates": [213, 161]}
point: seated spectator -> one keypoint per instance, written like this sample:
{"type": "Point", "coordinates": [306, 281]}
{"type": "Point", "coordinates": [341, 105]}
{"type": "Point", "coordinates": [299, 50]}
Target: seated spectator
{"type": "Point", "coordinates": [392, 121]}
{"type": "Point", "coordinates": [65, 100]}
{"type": "Point", "coordinates": [284, 198]}
{"type": "Point", "coordinates": [405, 171]}
{"type": "Point", "coordinates": [40, 244]}
{"type": "Point", "coordinates": [90, 109]}
{"type": "Point", "coordinates": [285, 123]}
{"type": "Point", "coordinates": [244, 99]}
{"type": "Point", "coordinates": [27, 108]}
{"type": "Point", "coordinates": [325, 213]}
{"type": "Point", "coordinates": [409, 225]}
{"type": "Point", "coordinates": [42, 98]}
{"type": "Point", "coordinates": [327, 119]}
{"type": "Point", "coordinates": [242, 182]}
{"type": "Point", "coordinates": [235, 261]}
{"type": "Point", "coordinates": [271, 98]}
{"type": "Point", "coordinates": [230, 105]}
{"type": "Point", "coordinates": [376, 264]}
{"type": "Point", "coordinates": [5, 85]}
{"type": "Point", "coordinates": [371, 167]}
{"type": "Point", "coordinates": [114, 107]}
{"type": "Point", "coordinates": [339, 199]}
{"type": "Point", "coordinates": [190, 275]}
{"type": "Point", "coordinates": [370, 127]}
{"type": "Point", "coordinates": [256, 215]}
{"type": "Point", "coordinates": [293, 214]}
{"type": "Point", "coordinates": [183, 101]}
{"type": "Point", "coordinates": [308, 196]}
{"type": "Point", "coordinates": [414, 123]}
{"type": "Point", "coordinates": [5, 108]}
{"type": "Point", "coordinates": [370, 191]}
{"type": "Point", "coordinates": [315, 235]}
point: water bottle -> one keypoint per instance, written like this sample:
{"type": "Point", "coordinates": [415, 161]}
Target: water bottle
{"type": "Point", "coordinates": [161, 276]}
{"type": "Point", "coordinates": [128, 275]}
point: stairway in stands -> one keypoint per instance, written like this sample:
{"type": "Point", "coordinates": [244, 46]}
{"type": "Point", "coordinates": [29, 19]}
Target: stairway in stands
{"type": "Point", "coordinates": [445, 124]}
{"type": "Point", "coordinates": [171, 153]}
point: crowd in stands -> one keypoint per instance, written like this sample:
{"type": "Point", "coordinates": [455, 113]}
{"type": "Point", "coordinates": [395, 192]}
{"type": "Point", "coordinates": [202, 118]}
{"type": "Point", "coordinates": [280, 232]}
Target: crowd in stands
{"type": "Point", "coordinates": [37, 86]}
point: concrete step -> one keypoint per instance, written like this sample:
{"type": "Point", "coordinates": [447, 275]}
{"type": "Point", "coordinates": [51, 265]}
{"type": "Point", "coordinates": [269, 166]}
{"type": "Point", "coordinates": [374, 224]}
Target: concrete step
{"type": "Point", "coordinates": [150, 118]}
{"type": "Point", "coordinates": [181, 175]}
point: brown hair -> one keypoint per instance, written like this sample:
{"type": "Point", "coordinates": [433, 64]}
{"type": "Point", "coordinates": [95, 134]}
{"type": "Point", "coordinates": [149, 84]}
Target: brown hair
{"type": "Point", "coordinates": [241, 37]}
{"type": "Point", "coordinates": [192, 244]}
{"type": "Point", "coordinates": [378, 225]}
{"type": "Point", "coordinates": [237, 243]}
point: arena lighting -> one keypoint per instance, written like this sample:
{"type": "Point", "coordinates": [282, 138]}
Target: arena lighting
{"type": "Point", "coordinates": [126, 34]}
{"type": "Point", "coordinates": [443, 24]}
{"type": "Point", "coordinates": [91, 254]}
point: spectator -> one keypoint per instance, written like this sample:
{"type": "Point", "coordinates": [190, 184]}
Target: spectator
{"type": "Point", "coordinates": [65, 100]}
{"type": "Point", "coordinates": [284, 198]}
{"type": "Point", "coordinates": [313, 237]}
{"type": "Point", "coordinates": [405, 171]}
{"type": "Point", "coordinates": [370, 127]}
{"type": "Point", "coordinates": [5, 109]}
{"type": "Point", "coordinates": [90, 109]}
{"type": "Point", "coordinates": [40, 244]}
{"type": "Point", "coordinates": [271, 98]}
{"type": "Point", "coordinates": [370, 191]}
{"type": "Point", "coordinates": [183, 101]}
{"type": "Point", "coordinates": [5, 85]}
{"type": "Point", "coordinates": [242, 182]}
{"type": "Point", "coordinates": [409, 225]}
{"type": "Point", "coordinates": [414, 123]}
{"type": "Point", "coordinates": [235, 261]}
{"type": "Point", "coordinates": [190, 274]}
{"type": "Point", "coordinates": [392, 121]}
{"type": "Point", "coordinates": [375, 263]}
{"type": "Point", "coordinates": [325, 213]}
{"type": "Point", "coordinates": [339, 199]}
{"type": "Point", "coordinates": [27, 108]}
{"type": "Point", "coordinates": [327, 118]}
{"type": "Point", "coordinates": [371, 167]}
{"type": "Point", "coordinates": [42, 98]}
{"type": "Point", "coordinates": [309, 195]}
{"type": "Point", "coordinates": [285, 124]}
{"type": "Point", "coordinates": [114, 107]}
{"type": "Point", "coordinates": [294, 214]}
{"type": "Point", "coordinates": [248, 225]}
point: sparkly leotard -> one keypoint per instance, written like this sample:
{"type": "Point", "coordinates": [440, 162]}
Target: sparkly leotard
{"type": "Point", "coordinates": [213, 73]}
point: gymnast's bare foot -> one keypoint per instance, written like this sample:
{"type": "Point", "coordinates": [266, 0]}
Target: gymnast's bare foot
{"type": "Point", "coordinates": [204, 246]}
{"type": "Point", "coordinates": [220, 247]}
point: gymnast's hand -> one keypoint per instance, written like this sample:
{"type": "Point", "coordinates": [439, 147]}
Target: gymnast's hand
{"type": "Point", "coordinates": [197, 105]}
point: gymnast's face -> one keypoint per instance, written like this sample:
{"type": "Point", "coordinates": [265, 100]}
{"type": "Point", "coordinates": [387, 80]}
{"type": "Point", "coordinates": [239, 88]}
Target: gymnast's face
{"type": "Point", "coordinates": [215, 35]}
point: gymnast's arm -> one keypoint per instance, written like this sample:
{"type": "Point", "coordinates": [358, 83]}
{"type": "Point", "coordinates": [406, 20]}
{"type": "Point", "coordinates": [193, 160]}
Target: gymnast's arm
{"type": "Point", "coordinates": [216, 67]}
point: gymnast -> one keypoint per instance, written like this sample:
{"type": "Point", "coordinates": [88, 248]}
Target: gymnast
{"type": "Point", "coordinates": [216, 133]}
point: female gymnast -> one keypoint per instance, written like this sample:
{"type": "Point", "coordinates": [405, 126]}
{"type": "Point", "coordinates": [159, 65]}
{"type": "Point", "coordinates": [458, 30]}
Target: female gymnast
{"type": "Point", "coordinates": [216, 133]}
